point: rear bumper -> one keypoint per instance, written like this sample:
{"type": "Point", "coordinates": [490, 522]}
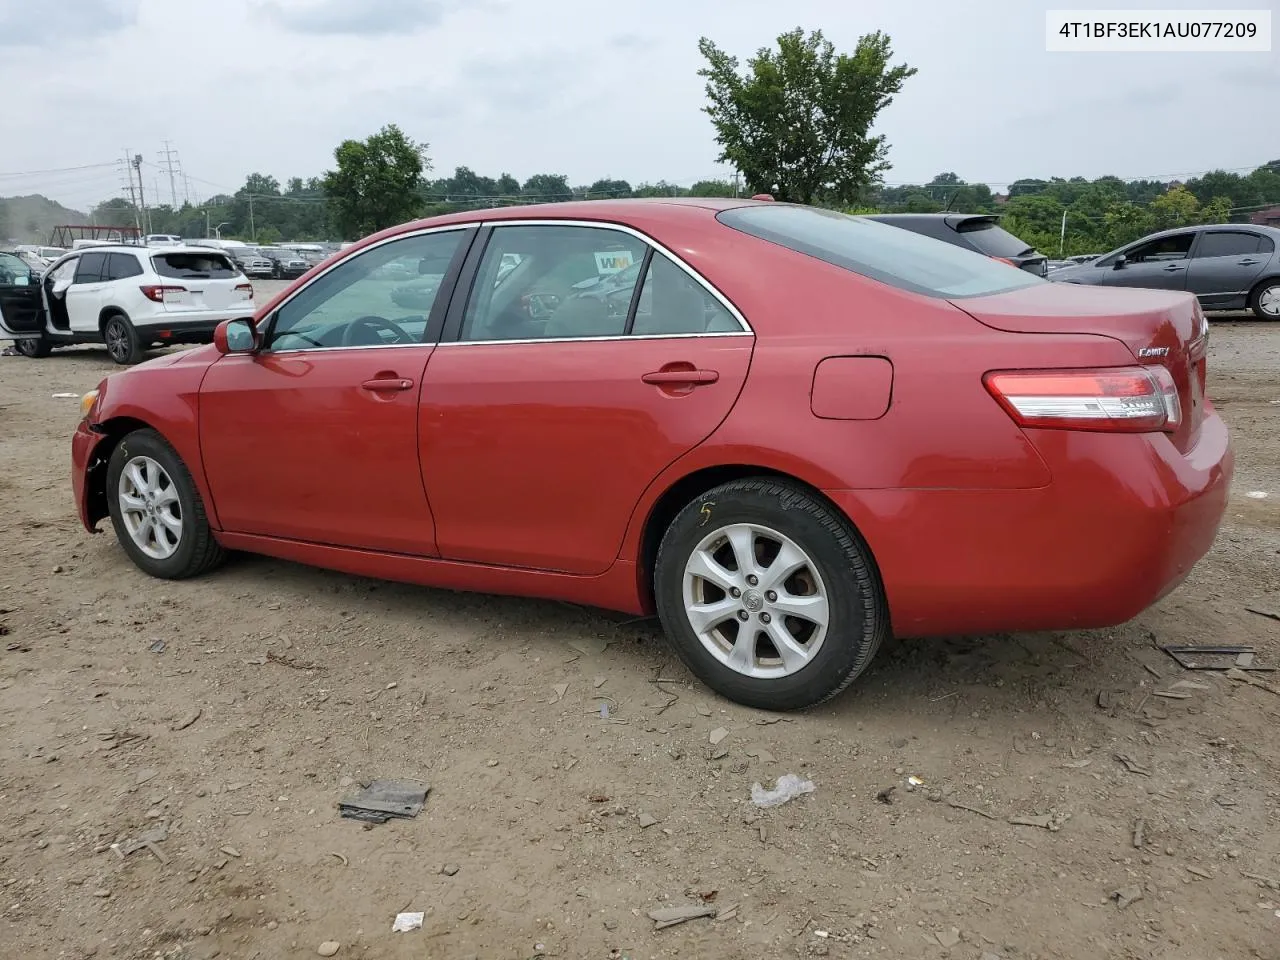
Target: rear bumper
{"type": "Point", "coordinates": [190, 327]}
{"type": "Point", "coordinates": [1121, 525]}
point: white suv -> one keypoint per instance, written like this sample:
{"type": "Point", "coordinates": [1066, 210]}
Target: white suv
{"type": "Point", "coordinates": [127, 297]}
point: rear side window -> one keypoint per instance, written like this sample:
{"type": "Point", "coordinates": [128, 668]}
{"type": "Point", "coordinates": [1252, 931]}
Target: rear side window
{"type": "Point", "coordinates": [121, 266]}
{"type": "Point", "coordinates": [194, 266]}
{"type": "Point", "coordinates": [92, 267]}
{"type": "Point", "coordinates": [1229, 245]}
{"type": "Point", "coordinates": [891, 255]}
{"type": "Point", "coordinates": [995, 241]}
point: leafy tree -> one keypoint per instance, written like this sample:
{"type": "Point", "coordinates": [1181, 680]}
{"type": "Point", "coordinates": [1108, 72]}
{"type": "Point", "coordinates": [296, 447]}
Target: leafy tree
{"type": "Point", "coordinates": [608, 189]}
{"type": "Point", "coordinates": [798, 123]}
{"type": "Point", "coordinates": [260, 185]}
{"type": "Point", "coordinates": [713, 188]}
{"type": "Point", "coordinates": [507, 185]}
{"type": "Point", "coordinates": [547, 187]}
{"type": "Point", "coordinates": [377, 182]}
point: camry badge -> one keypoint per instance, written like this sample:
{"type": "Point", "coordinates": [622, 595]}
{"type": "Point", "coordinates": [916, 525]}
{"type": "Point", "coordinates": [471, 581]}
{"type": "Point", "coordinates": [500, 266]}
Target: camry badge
{"type": "Point", "coordinates": [1153, 352]}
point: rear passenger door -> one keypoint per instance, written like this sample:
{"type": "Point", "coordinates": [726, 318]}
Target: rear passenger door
{"type": "Point", "coordinates": [564, 387]}
{"type": "Point", "coordinates": [1226, 265]}
{"type": "Point", "coordinates": [84, 296]}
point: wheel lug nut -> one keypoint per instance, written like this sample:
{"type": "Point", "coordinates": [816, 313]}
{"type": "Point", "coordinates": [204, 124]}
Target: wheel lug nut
{"type": "Point", "coordinates": [735, 592]}
{"type": "Point", "coordinates": [742, 614]}
{"type": "Point", "coordinates": [765, 618]}
{"type": "Point", "coordinates": [770, 596]}
{"type": "Point", "coordinates": [753, 579]}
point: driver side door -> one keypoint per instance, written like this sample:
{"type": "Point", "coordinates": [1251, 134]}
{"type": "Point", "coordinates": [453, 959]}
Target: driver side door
{"type": "Point", "coordinates": [314, 437]}
{"type": "Point", "coordinates": [1159, 264]}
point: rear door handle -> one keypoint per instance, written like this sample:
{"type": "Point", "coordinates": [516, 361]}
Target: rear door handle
{"type": "Point", "coordinates": [681, 376]}
{"type": "Point", "coordinates": [1247, 262]}
{"type": "Point", "coordinates": [1174, 268]}
{"type": "Point", "coordinates": [386, 384]}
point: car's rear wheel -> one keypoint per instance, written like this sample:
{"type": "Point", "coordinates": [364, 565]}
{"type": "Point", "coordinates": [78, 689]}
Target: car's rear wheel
{"type": "Point", "coordinates": [1266, 301]}
{"type": "Point", "coordinates": [769, 595]}
{"type": "Point", "coordinates": [156, 509]}
{"type": "Point", "coordinates": [123, 344]}
{"type": "Point", "coordinates": [34, 347]}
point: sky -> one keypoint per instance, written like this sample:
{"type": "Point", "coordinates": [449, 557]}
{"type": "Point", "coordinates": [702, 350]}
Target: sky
{"type": "Point", "coordinates": [584, 88]}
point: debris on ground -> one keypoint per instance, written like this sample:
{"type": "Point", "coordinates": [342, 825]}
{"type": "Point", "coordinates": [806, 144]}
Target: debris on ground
{"type": "Point", "coordinates": [718, 734]}
{"type": "Point", "coordinates": [788, 787]}
{"type": "Point", "coordinates": [1052, 822]}
{"type": "Point", "coordinates": [1139, 832]}
{"type": "Point", "coordinates": [1215, 656]}
{"type": "Point", "coordinates": [886, 795]}
{"type": "Point", "coordinates": [328, 948]}
{"type": "Point", "coordinates": [964, 806]}
{"type": "Point", "coordinates": [146, 841]}
{"type": "Point", "coordinates": [948, 938]}
{"type": "Point", "coordinates": [450, 869]}
{"type": "Point", "coordinates": [588, 646]}
{"type": "Point", "coordinates": [381, 800]}
{"type": "Point", "coordinates": [670, 916]}
{"type": "Point", "coordinates": [1262, 612]}
{"type": "Point", "coordinates": [1131, 765]}
{"type": "Point", "coordinates": [647, 820]}
{"type": "Point", "coordinates": [157, 646]}
{"type": "Point", "coordinates": [1127, 895]}
{"type": "Point", "coordinates": [1241, 677]}
{"type": "Point", "coordinates": [187, 719]}
{"type": "Point", "coordinates": [405, 922]}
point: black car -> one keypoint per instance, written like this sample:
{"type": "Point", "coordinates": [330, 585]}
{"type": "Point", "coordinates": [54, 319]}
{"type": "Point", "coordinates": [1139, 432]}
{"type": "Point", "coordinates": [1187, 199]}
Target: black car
{"type": "Point", "coordinates": [286, 264]}
{"type": "Point", "coordinates": [1229, 266]}
{"type": "Point", "coordinates": [980, 232]}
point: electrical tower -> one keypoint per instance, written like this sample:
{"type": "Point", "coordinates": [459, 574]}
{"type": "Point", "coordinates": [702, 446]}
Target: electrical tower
{"type": "Point", "coordinates": [169, 161]}
{"type": "Point", "coordinates": [127, 169]}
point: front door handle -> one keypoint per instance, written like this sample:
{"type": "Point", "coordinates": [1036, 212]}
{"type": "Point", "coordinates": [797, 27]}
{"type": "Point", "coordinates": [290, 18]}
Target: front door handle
{"type": "Point", "coordinates": [681, 376]}
{"type": "Point", "coordinates": [386, 384]}
{"type": "Point", "coordinates": [1174, 268]}
{"type": "Point", "coordinates": [1247, 262]}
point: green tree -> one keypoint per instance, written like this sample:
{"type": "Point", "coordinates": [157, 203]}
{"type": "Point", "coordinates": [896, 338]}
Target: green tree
{"type": "Point", "coordinates": [798, 123]}
{"type": "Point", "coordinates": [713, 188]}
{"type": "Point", "coordinates": [547, 187]}
{"type": "Point", "coordinates": [608, 189]}
{"type": "Point", "coordinates": [377, 183]}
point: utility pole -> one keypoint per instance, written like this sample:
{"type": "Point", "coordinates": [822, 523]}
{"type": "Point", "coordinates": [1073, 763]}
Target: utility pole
{"type": "Point", "coordinates": [253, 233]}
{"type": "Point", "coordinates": [1062, 237]}
{"type": "Point", "coordinates": [142, 200]}
{"type": "Point", "coordinates": [133, 197]}
{"type": "Point", "coordinates": [166, 161]}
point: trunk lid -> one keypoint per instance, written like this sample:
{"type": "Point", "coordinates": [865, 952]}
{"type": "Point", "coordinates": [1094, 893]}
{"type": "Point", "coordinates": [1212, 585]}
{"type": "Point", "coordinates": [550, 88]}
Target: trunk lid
{"type": "Point", "coordinates": [1167, 329]}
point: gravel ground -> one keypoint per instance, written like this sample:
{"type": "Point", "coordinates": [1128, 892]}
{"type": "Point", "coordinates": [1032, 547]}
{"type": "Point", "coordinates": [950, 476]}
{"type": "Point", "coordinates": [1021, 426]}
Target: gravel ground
{"type": "Point", "coordinates": [234, 711]}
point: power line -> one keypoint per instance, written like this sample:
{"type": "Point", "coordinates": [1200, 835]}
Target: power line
{"type": "Point", "coordinates": [37, 173]}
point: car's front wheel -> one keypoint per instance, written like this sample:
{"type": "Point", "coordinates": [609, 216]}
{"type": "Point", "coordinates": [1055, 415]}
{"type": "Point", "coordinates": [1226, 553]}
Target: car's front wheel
{"type": "Point", "coordinates": [1266, 301]}
{"type": "Point", "coordinates": [124, 345]}
{"type": "Point", "coordinates": [769, 595]}
{"type": "Point", "coordinates": [34, 347]}
{"type": "Point", "coordinates": [156, 509]}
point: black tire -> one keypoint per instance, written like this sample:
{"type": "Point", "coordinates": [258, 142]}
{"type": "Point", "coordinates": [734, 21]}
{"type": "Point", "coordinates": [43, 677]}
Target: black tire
{"type": "Point", "coordinates": [858, 616]}
{"type": "Point", "coordinates": [36, 348]}
{"type": "Point", "coordinates": [1267, 287]}
{"type": "Point", "coordinates": [123, 344]}
{"type": "Point", "coordinates": [197, 551]}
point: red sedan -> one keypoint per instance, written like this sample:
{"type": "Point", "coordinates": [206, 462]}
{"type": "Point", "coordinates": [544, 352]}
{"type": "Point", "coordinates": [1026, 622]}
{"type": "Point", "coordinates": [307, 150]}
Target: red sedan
{"type": "Point", "coordinates": [788, 431]}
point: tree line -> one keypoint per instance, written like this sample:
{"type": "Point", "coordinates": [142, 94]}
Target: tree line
{"type": "Point", "coordinates": [795, 121]}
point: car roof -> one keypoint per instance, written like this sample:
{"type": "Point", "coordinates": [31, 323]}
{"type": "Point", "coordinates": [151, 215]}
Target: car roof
{"type": "Point", "coordinates": [140, 249]}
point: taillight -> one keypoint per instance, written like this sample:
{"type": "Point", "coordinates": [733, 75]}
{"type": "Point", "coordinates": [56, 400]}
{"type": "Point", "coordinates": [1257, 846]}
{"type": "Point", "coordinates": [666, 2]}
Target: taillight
{"type": "Point", "coordinates": [160, 293]}
{"type": "Point", "coordinates": [1111, 399]}
{"type": "Point", "coordinates": [245, 288]}
{"type": "Point", "coordinates": [1005, 260]}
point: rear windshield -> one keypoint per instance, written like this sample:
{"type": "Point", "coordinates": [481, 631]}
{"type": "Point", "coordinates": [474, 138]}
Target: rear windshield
{"type": "Point", "coordinates": [900, 258]}
{"type": "Point", "coordinates": [995, 241]}
{"type": "Point", "coordinates": [194, 266]}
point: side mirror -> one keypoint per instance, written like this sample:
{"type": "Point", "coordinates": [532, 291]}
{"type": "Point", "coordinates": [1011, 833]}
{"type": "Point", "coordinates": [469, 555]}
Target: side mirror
{"type": "Point", "coordinates": [1119, 263]}
{"type": "Point", "coordinates": [235, 336]}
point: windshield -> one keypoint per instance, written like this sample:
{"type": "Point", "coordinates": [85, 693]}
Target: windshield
{"type": "Point", "coordinates": [900, 258]}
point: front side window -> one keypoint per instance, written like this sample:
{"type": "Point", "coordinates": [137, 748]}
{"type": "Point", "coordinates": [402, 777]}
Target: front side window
{"type": "Point", "coordinates": [888, 254]}
{"type": "Point", "coordinates": [1228, 245]}
{"type": "Point", "coordinates": [14, 270]}
{"type": "Point", "coordinates": [553, 281]}
{"type": "Point", "coordinates": [92, 267]}
{"type": "Point", "coordinates": [1163, 249]}
{"type": "Point", "coordinates": [357, 304]}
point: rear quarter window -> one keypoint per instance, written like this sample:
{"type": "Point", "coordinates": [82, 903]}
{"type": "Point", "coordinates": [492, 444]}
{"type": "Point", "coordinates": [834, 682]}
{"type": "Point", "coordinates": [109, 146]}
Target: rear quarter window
{"type": "Point", "coordinates": [995, 241]}
{"type": "Point", "coordinates": [194, 266]}
{"type": "Point", "coordinates": [891, 255]}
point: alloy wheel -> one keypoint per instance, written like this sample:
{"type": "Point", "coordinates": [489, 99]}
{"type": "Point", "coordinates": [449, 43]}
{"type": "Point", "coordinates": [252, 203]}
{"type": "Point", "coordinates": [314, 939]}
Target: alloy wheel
{"type": "Point", "coordinates": [756, 601]}
{"type": "Point", "coordinates": [150, 508]}
{"type": "Point", "coordinates": [117, 338]}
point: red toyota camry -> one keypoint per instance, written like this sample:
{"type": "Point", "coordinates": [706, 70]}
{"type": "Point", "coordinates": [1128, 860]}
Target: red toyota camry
{"type": "Point", "coordinates": [789, 432]}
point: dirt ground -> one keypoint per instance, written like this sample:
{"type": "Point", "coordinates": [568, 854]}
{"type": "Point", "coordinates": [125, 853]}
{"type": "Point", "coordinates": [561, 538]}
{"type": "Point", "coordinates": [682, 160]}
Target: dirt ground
{"type": "Point", "coordinates": [236, 710]}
